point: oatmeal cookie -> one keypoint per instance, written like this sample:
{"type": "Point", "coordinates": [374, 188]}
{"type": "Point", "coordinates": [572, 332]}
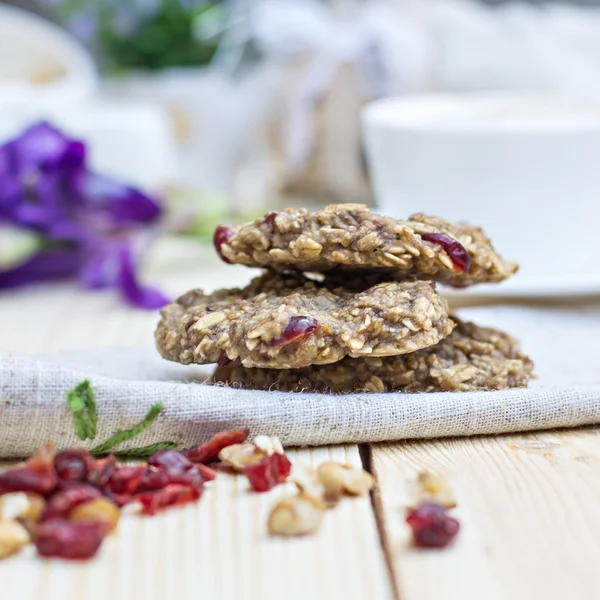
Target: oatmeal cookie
{"type": "Point", "coordinates": [471, 358]}
{"type": "Point", "coordinates": [350, 237]}
{"type": "Point", "coordinates": [287, 321]}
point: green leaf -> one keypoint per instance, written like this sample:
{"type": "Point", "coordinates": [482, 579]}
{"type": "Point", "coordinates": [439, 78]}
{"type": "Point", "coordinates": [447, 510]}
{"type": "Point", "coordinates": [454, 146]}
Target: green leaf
{"type": "Point", "coordinates": [125, 436]}
{"type": "Point", "coordinates": [82, 404]}
{"type": "Point", "coordinates": [146, 451]}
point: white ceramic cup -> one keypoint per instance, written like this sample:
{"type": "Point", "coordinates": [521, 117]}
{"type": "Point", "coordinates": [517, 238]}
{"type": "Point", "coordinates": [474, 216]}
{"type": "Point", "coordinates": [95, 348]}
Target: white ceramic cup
{"type": "Point", "coordinates": [31, 46]}
{"type": "Point", "coordinates": [525, 167]}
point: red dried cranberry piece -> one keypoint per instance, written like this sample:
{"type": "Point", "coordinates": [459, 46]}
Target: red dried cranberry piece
{"type": "Point", "coordinates": [23, 479]}
{"type": "Point", "coordinates": [268, 472]}
{"type": "Point", "coordinates": [453, 248]}
{"type": "Point", "coordinates": [207, 473]}
{"type": "Point", "coordinates": [60, 504]}
{"type": "Point", "coordinates": [119, 499]}
{"type": "Point", "coordinates": [221, 235]}
{"type": "Point", "coordinates": [74, 540]}
{"type": "Point", "coordinates": [209, 451]}
{"type": "Point", "coordinates": [102, 471]}
{"type": "Point", "coordinates": [191, 478]}
{"type": "Point", "coordinates": [154, 479]}
{"type": "Point", "coordinates": [171, 495]}
{"type": "Point", "coordinates": [126, 480]}
{"type": "Point", "coordinates": [432, 526]}
{"type": "Point", "coordinates": [158, 479]}
{"type": "Point", "coordinates": [38, 474]}
{"type": "Point", "coordinates": [73, 465]}
{"type": "Point", "coordinates": [298, 329]}
{"type": "Point", "coordinates": [170, 459]}
{"type": "Point", "coordinates": [269, 220]}
{"type": "Point", "coordinates": [42, 458]}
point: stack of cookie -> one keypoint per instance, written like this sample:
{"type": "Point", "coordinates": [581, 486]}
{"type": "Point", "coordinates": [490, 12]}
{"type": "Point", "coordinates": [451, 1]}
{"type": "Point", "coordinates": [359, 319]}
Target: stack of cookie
{"type": "Point", "coordinates": [347, 303]}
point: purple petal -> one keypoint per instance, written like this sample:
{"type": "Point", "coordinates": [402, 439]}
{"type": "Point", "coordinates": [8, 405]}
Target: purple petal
{"type": "Point", "coordinates": [10, 186]}
{"type": "Point", "coordinates": [130, 288]}
{"type": "Point", "coordinates": [101, 269]}
{"type": "Point", "coordinates": [47, 265]}
{"type": "Point", "coordinates": [124, 203]}
{"type": "Point", "coordinates": [42, 146]}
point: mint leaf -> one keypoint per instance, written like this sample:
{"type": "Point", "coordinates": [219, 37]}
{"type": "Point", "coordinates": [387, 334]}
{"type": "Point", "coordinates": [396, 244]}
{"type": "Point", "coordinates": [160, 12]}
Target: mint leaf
{"type": "Point", "coordinates": [82, 404]}
{"type": "Point", "coordinates": [146, 451]}
{"type": "Point", "coordinates": [121, 437]}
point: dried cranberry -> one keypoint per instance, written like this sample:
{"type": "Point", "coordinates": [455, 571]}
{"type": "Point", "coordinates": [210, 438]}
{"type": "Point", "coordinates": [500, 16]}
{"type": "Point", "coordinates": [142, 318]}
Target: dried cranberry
{"type": "Point", "coordinates": [43, 457]}
{"type": "Point", "coordinates": [191, 478]}
{"type": "Point", "coordinates": [119, 499]}
{"type": "Point", "coordinates": [298, 329]}
{"type": "Point", "coordinates": [221, 235]}
{"type": "Point", "coordinates": [171, 495]}
{"type": "Point", "coordinates": [73, 465]}
{"type": "Point", "coordinates": [161, 478]}
{"type": "Point", "coordinates": [269, 220]}
{"type": "Point", "coordinates": [432, 526]}
{"type": "Point", "coordinates": [170, 459]}
{"type": "Point", "coordinates": [209, 451]}
{"type": "Point", "coordinates": [207, 473]}
{"type": "Point", "coordinates": [453, 248]}
{"type": "Point", "coordinates": [74, 540]}
{"type": "Point", "coordinates": [154, 479]}
{"type": "Point", "coordinates": [60, 504]}
{"type": "Point", "coordinates": [268, 472]}
{"type": "Point", "coordinates": [26, 479]}
{"type": "Point", "coordinates": [102, 471]}
{"type": "Point", "coordinates": [126, 480]}
{"type": "Point", "coordinates": [37, 475]}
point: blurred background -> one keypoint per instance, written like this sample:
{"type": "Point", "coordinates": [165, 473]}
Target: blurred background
{"type": "Point", "coordinates": [222, 110]}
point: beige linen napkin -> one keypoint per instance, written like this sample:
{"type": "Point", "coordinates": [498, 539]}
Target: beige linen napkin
{"type": "Point", "coordinates": [563, 343]}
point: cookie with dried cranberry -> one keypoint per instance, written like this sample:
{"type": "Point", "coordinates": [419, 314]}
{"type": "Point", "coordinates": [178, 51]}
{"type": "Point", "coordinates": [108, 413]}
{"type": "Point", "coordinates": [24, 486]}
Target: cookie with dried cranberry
{"type": "Point", "coordinates": [471, 358]}
{"type": "Point", "coordinates": [288, 321]}
{"type": "Point", "coordinates": [349, 237]}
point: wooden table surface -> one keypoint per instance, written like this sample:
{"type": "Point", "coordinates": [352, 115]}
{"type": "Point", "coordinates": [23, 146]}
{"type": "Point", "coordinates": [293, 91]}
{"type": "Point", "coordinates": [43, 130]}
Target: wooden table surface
{"type": "Point", "coordinates": [529, 504]}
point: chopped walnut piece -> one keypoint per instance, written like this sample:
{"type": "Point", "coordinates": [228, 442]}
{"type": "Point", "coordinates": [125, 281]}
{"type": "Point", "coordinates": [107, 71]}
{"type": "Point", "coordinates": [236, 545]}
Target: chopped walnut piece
{"type": "Point", "coordinates": [339, 479]}
{"type": "Point", "coordinates": [268, 444]}
{"type": "Point", "coordinates": [429, 488]}
{"type": "Point", "coordinates": [21, 506]}
{"type": "Point", "coordinates": [296, 515]}
{"type": "Point", "coordinates": [239, 456]}
{"type": "Point", "coordinates": [13, 505]}
{"type": "Point", "coordinates": [308, 484]}
{"type": "Point", "coordinates": [34, 509]}
{"type": "Point", "coordinates": [13, 536]}
{"type": "Point", "coordinates": [100, 510]}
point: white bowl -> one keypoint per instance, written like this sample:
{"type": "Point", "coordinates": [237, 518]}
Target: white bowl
{"type": "Point", "coordinates": [42, 69]}
{"type": "Point", "coordinates": [525, 167]}
{"type": "Point", "coordinates": [41, 63]}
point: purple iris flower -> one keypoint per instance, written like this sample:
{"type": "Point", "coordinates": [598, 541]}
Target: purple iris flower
{"type": "Point", "coordinates": [89, 222]}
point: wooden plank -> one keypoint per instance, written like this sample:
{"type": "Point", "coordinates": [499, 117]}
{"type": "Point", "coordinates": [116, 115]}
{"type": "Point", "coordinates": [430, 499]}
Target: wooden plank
{"type": "Point", "coordinates": [529, 510]}
{"type": "Point", "coordinates": [219, 549]}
